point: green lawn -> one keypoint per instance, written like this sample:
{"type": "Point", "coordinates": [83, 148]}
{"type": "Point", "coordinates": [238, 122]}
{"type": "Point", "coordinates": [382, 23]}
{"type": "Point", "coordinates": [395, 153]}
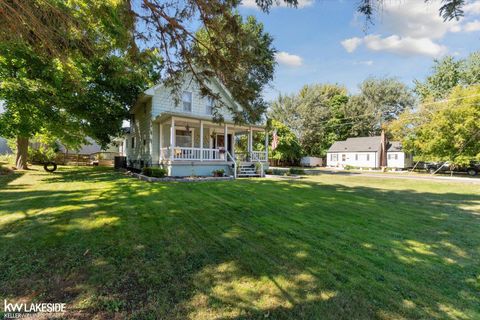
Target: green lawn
{"type": "Point", "coordinates": [324, 247]}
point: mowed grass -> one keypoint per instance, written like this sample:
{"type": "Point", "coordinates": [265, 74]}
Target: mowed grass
{"type": "Point", "coordinates": [324, 247]}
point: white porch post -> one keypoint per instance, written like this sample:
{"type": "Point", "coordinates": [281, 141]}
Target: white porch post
{"type": "Point", "coordinates": [172, 138]}
{"type": "Point", "coordinates": [201, 140]}
{"type": "Point", "coordinates": [160, 137]}
{"type": "Point", "coordinates": [250, 141]}
{"type": "Point", "coordinates": [233, 144]}
{"type": "Point", "coordinates": [266, 145]}
{"type": "Point", "coordinates": [225, 141]}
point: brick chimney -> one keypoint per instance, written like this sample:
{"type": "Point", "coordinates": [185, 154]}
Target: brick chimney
{"type": "Point", "coordinates": [383, 149]}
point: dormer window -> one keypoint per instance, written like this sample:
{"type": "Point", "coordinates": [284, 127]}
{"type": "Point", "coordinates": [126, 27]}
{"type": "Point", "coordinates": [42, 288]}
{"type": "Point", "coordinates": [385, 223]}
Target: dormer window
{"type": "Point", "coordinates": [187, 101]}
{"type": "Point", "coordinates": [209, 109]}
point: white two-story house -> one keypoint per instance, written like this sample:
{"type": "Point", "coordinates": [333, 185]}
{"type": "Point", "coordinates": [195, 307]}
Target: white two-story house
{"type": "Point", "coordinates": [183, 137]}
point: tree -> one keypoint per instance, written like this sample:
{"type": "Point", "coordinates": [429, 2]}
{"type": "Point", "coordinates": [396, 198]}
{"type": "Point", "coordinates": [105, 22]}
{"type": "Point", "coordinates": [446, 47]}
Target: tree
{"type": "Point", "coordinates": [446, 130]}
{"type": "Point", "coordinates": [252, 52]}
{"type": "Point", "coordinates": [167, 26]}
{"type": "Point", "coordinates": [322, 114]}
{"type": "Point", "coordinates": [380, 100]}
{"type": "Point", "coordinates": [62, 35]}
{"type": "Point", "coordinates": [288, 149]}
{"type": "Point", "coordinates": [284, 109]}
{"type": "Point", "coordinates": [316, 115]}
{"type": "Point", "coordinates": [86, 92]}
{"type": "Point", "coordinates": [447, 74]}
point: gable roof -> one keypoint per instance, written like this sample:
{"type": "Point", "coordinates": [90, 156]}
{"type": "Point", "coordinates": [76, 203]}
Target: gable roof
{"type": "Point", "coordinates": [363, 144]}
{"type": "Point", "coordinates": [214, 81]}
{"type": "Point", "coordinates": [394, 146]}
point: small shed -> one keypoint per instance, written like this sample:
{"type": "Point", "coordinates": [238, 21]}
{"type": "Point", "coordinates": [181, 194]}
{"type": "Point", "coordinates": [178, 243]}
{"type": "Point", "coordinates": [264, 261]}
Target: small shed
{"type": "Point", "coordinates": [311, 162]}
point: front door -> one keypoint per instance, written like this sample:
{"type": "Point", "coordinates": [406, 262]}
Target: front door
{"type": "Point", "coordinates": [219, 142]}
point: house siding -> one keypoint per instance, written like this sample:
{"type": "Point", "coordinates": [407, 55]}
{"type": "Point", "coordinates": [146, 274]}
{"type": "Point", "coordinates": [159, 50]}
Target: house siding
{"type": "Point", "coordinates": [163, 101]}
{"type": "Point", "coordinates": [350, 159]}
{"type": "Point", "coordinates": [151, 128]}
{"type": "Point", "coordinates": [403, 160]}
{"type": "Point", "coordinates": [140, 130]}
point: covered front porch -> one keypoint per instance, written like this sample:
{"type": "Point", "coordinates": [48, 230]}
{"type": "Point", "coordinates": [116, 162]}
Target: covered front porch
{"type": "Point", "coordinates": [187, 142]}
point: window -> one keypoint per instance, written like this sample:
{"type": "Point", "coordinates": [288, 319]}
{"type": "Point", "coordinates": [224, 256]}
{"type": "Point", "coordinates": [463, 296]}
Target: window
{"type": "Point", "coordinates": [368, 157]}
{"type": "Point", "coordinates": [209, 106]}
{"type": "Point", "coordinates": [389, 156]}
{"type": "Point", "coordinates": [396, 156]}
{"type": "Point", "coordinates": [187, 101]}
{"type": "Point", "coordinates": [334, 157]}
{"type": "Point", "coordinates": [356, 156]}
{"type": "Point", "coordinates": [133, 142]}
{"type": "Point", "coordinates": [344, 157]}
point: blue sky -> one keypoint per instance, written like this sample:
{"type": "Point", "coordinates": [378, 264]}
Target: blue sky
{"type": "Point", "coordinates": [326, 41]}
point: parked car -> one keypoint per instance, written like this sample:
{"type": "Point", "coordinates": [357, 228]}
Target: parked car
{"type": "Point", "coordinates": [472, 169]}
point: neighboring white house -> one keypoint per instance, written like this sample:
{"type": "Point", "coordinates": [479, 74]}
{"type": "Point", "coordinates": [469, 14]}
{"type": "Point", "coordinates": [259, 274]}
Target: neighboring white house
{"type": "Point", "coordinates": [365, 152]}
{"type": "Point", "coordinates": [183, 138]}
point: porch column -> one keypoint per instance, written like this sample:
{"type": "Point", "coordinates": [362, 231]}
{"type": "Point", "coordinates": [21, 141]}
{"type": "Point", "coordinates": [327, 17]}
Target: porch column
{"type": "Point", "coordinates": [250, 141]}
{"type": "Point", "coordinates": [266, 145]}
{"type": "Point", "coordinates": [233, 144]}
{"type": "Point", "coordinates": [172, 138]}
{"type": "Point", "coordinates": [160, 137]}
{"type": "Point", "coordinates": [201, 140]}
{"type": "Point", "coordinates": [225, 141]}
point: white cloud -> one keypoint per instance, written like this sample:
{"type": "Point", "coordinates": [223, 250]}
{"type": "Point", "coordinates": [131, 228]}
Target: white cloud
{"type": "Point", "coordinates": [366, 62]}
{"type": "Point", "coordinates": [288, 59]}
{"type": "Point", "coordinates": [472, 8]}
{"type": "Point", "coordinates": [416, 19]}
{"type": "Point", "coordinates": [351, 44]}
{"type": "Point", "coordinates": [408, 27]}
{"type": "Point", "coordinates": [404, 45]}
{"type": "Point", "coordinates": [276, 4]}
{"type": "Point", "coordinates": [472, 26]}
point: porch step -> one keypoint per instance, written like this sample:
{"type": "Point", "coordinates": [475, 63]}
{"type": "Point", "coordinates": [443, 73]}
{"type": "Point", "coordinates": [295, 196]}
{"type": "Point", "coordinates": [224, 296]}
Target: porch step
{"type": "Point", "coordinates": [247, 170]}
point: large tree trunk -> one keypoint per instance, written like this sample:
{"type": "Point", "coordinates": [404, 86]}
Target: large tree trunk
{"type": "Point", "coordinates": [22, 153]}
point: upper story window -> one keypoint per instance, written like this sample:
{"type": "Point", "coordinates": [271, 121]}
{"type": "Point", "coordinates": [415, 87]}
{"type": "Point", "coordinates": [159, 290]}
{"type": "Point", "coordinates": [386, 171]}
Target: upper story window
{"type": "Point", "coordinates": [187, 101]}
{"type": "Point", "coordinates": [209, 109]}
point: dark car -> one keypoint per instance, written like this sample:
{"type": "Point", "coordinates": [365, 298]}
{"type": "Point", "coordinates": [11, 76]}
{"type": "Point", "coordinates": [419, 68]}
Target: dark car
{"type": "Point", "coordinates": [472, 169]}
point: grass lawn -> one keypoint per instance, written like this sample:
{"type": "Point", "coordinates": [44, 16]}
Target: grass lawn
{"type": "Point", "coordinates": [323, 247]}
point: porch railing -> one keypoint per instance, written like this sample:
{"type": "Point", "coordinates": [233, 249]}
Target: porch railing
{"type": "Point", "coordinates": [257, 160]}
{"type": "Point", "coordinates": [206, 154]}
{"type": "Point", "coordinates": [192, 154]}
{"type": "Point", "coordinates": [254, 156]}
{"type": "Point", "coordinates": [259, 155]}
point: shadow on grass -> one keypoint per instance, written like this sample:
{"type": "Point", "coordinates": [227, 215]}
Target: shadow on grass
{"type": "Point", "coordinates": [238, 250]}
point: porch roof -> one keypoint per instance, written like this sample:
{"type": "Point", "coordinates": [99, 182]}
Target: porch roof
{"type": "Point", "coordinates": [165, 116]}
